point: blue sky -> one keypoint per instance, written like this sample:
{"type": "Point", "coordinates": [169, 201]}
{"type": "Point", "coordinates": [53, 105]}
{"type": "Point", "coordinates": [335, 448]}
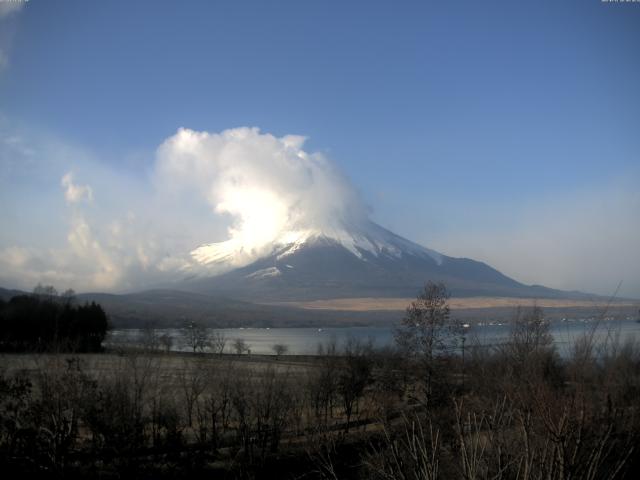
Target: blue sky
{"type": "Point", "coordinates": [502, 131]}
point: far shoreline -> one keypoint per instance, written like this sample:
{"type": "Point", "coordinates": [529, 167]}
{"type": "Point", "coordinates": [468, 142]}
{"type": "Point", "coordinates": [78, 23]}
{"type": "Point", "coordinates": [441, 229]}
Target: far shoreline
{"type": "Point", "coordinates": [368, 304]}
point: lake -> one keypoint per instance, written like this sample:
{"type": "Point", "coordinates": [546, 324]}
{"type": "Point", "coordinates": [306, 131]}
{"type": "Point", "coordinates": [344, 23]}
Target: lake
{"type": "Point", "coordinates": [305, 341]}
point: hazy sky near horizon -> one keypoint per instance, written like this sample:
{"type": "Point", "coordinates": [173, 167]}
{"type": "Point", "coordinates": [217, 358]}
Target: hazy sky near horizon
{"type": "Point", "coordinates": [507, 132]}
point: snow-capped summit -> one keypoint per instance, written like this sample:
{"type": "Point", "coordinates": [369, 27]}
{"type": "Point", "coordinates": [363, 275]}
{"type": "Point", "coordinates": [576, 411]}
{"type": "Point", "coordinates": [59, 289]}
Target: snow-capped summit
{"type": "Point", "coordinates": [356, 261]}
{"type": "Point", "coordinates": [367, 240]}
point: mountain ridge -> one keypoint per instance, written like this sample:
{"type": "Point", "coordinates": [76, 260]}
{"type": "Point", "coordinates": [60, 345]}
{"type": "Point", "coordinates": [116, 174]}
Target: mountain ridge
{"type": "Point", "coordinates": [352, 262]}
{"type": "Point", "coordinates": [277, 286]}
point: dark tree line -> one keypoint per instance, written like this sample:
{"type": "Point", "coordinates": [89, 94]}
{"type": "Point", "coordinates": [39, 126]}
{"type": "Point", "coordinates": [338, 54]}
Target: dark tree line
{"type": "Point", "coordinates": [46, 321]}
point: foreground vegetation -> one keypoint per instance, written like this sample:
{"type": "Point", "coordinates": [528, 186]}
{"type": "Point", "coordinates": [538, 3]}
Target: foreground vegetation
{"type": "Point", "coordinates": [416, 411]}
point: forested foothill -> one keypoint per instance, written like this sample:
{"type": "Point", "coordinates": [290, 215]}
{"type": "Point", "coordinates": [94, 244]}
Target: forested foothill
{"type": "Point", "coordinates": [47, 321]}
{"type": "Point", "coordinates": [436, 405]}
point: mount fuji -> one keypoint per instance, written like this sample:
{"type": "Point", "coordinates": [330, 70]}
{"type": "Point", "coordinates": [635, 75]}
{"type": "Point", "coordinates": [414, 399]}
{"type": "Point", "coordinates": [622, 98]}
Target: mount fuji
{"type": "Point", "coordinates": [364, 260]}
{"type": "Point", "coordinates": [235, 283]}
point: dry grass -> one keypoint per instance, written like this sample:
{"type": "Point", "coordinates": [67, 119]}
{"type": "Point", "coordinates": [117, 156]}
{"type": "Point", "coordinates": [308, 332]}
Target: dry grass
{"type": "Point", "coordinates": [172, 366]}
{"type": "Point", "coordinates": [395, 304]}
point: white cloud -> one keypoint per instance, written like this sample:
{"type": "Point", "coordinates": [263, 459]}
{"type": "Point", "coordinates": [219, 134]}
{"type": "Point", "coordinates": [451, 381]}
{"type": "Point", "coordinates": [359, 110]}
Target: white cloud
{"type": "Point", "coordinates": [75, 193]}
{"type": "Point", "coordinates": [9, 7]}
{"type": "Point", "coordinates": [267, 185]}
{"type": "Point", "coordinates": [250, 187]}
{"type": "Point", "coordinates": [15, 257]}
{"type": "Point", "coordinates": [50, 234]}
{"type": "Point", "coordinates": [239, 183]}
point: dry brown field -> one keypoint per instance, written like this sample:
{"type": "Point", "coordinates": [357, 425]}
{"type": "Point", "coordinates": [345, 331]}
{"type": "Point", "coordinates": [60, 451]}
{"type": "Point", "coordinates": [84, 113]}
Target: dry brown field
{"type": "Point", "coordinates": [394, 304]}
{"type": "Point", "coordinates": [172, 366]}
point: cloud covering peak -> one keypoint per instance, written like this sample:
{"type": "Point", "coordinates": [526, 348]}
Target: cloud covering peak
{"type": "Point", "coordinates": [267, 185]}
{"type": "Point", "coordinates": [78, 221]}
{"type": "Point", "coordinates": [116, 232]}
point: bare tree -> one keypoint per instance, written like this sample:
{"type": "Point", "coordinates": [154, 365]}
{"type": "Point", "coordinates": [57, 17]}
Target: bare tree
{"type": "Point", "coordinates": [193, 380]}
{"type": "Point", "coordinates": [45, 292]}
{"type": "Point", "coordinates": [68, 297]}
{"type": "Point", "coordinates": [530, 347]}
{"type": "Point", "coordinates": [196, 336]}
{"type": "Point", "coordinates": [530, 332]}
{"type": "Point", "coordinates": [166, 341]}
{"type": "Point", "coordinates": [214, 408]}
{"type": "Point", "coordinates": [280, 349]}
{"type": "Point", "coordinates": [322, 382]}
{"type": "Point", "coordinates": [240, 346]}
{"type": "Point", "coordinates": [427, 331]}
{"type": "Point", "coordinates": [353, 376]}
{"type": "Point", "coordinates": [217, 342]}
{"type": "Point", "coordinates": [149, 338]}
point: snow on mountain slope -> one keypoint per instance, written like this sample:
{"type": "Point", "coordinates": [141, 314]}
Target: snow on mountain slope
{"type": "Point", "coordinates": [369, 239]}
{"type": "Point", "coordinates": [367, 260]}
{"type": "Point", "coordinates": [298, 227]}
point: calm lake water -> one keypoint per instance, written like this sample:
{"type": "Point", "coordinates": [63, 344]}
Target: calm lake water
{"type": "Point", "coordinates": [304, 341]}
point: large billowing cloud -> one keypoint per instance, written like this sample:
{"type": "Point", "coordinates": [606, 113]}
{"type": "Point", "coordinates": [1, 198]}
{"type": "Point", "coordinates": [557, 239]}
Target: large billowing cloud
{"type": "Point", "coordinates": [112, 232]}
{"type": "Point", "coordinates": [69, 220]}
{"type": "Point", "coordinates": [268, 186]}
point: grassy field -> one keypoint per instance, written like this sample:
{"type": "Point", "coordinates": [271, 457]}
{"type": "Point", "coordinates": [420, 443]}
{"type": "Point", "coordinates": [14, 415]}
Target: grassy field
{"type": "Point", "coordinates": [171, 365]}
